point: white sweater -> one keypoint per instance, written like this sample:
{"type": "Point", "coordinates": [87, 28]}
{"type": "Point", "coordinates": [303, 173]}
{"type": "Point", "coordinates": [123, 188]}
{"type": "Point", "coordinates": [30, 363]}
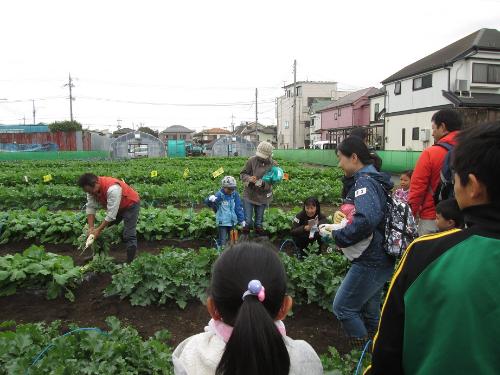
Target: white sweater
{"type": "Point", "coordinates": [200, 355]}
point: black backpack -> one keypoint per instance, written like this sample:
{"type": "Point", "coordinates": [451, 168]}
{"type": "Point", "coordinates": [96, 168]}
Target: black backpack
{"type": "Point", "coordinates": [445, 188]}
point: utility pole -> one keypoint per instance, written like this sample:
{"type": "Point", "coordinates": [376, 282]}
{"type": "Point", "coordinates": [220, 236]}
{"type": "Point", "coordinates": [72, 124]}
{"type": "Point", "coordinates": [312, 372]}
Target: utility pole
{"type": "Point", "coordinates": [232, 122]}
{"type": "Point", "coordinates": [294, 131]}
{"type": "Point", "coordinates": [34, 112]}
{"type": "Point", "coordinates": [70, 85]}
{"type": "Point", "coordinates": [256, 113]}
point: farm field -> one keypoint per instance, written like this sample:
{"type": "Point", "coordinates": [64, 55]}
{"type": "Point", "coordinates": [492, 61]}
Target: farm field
{"type": "Point", "coordinates": [48, 287]}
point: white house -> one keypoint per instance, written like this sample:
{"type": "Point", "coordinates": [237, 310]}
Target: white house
{"type": "Point", "coordinates": [315, 128]}
{"type": "Point", "coordinates": [464, 75]}
{"type": "Point", "coordinates": [306, 93]}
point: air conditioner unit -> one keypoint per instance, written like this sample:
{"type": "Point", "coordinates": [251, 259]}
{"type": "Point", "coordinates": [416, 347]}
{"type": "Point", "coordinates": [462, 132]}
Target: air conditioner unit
{"type": "Point", "coordinates": [462, 86]}
{"type": "Point", "coordinates": [425, 135]}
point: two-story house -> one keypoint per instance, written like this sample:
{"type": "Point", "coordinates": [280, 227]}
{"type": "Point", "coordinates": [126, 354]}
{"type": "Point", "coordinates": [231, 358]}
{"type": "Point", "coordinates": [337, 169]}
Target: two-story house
{"type": "Point", "coordinates": [342, 115]}
{"type": "Point", "coordinates": [176, 132]}
{"type": "Point", "coordinates": [209, 135]}
{"type": "Point", "coordinates": [256, 133]}
{"type": "Point", "coordinates": [464, 75]}
{"type": "Point", "coordinates": [300, 100]}
{"type": "Point", "coordinates": [315, 128]}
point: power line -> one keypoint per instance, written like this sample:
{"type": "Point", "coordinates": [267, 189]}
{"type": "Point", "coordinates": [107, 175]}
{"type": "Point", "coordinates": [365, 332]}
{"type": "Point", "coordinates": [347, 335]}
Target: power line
{"type": "Point", "coordinates": [234, 104]}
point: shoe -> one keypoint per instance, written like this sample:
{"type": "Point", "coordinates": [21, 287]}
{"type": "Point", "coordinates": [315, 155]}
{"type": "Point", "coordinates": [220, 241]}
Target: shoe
{"type": "Point", "coordinates": [131, 253]}
{"type": "Point", "coordinates": [259, 232]}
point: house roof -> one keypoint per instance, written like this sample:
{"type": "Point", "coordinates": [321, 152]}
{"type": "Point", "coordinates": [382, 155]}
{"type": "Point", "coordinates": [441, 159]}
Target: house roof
{"type": "Point", "coordinates": [312, 82]}
{"type": "Point", "coordinates": [380, 92]}
{"type": "Point", "coordinates": [24, 128]}
{"type": "Point", "coordinates": [475, 100]}
{"type": "Point", "coordinates": [177, 129]}
{"type": "Point", "coordinates": [351, 98]}
{"type": "Point", "coordinates": [216, 131]}
{"type": "Point", "coordinates": [483, 39]}
{"type": "Point", "coordinates": [320, 104]}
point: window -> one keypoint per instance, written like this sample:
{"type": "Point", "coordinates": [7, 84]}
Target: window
{"type": "Point", "coordinates": [286, 124]}
{"type": "Point", "coordinates": [403, 137]}
{"type": "Point", "coordinates": [422, 82]}
{"type": "Point", "coordinates": [377, 110]}
{"type": "Point", "coordinates": [397, 88]}
{"type": "Point", "coordinates": [415, 134]}
{"type": "Point", "coordinates": [298, 91]}
{"type": "Point", "coordinates": [485, 73]}
{"type": "Point", "coordinates": [312, 123]}
{"type": "Point", "coordinates": [339, 113]}
{"type": "Point", "coordinates": [335, 116]}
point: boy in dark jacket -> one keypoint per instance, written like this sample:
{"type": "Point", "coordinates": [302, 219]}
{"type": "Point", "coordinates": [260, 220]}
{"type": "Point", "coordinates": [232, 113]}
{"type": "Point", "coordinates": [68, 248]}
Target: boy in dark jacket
{"type": "Point", "coordinates": [442, 309]}
{"type": "Point", "coordinates": [305, 225]}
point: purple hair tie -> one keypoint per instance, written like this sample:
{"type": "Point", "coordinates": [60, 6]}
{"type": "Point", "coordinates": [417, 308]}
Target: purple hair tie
{"type": "Point", "coordinates": [255, 288]}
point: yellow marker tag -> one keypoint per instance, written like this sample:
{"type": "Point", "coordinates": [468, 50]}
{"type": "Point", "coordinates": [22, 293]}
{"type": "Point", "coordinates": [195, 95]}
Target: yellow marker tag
{"type": "Point", "coordinates": [47, 178]}
{"type": "Point", "coordinates": [186, 173]}
{"type": "Point", "coordinates": [154, 173]}
{"type": "Point", "coordinates": [218, 172]}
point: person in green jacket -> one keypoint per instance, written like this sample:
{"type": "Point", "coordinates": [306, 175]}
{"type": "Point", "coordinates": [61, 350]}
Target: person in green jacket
{"type": "Point", "coordinates": [442, 311]}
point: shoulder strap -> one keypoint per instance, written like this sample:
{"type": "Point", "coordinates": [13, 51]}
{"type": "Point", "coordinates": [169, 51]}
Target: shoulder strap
{"type": "Point", "coordinates": [447, 146]}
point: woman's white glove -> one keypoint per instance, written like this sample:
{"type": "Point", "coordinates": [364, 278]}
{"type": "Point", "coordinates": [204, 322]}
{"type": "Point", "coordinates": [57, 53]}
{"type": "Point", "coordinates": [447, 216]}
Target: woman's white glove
{"type": "Point", "coordinates": [212, 198]}
{"type": "Point", "coordinates": [325, 230]}
{"type": "Point", "coordinates": [259, 183]}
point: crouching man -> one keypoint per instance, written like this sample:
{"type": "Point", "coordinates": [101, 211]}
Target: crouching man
{"type": "Point", "coordinates": [121, 203]}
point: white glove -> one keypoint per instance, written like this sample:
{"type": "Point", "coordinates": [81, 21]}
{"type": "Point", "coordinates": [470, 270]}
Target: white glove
{"type": "Point", "coordinates": [243, 224]}
{"type": "Point", "coordinates": [325, 230]}
{"type": "Point", "coordinates": [259, 183]}
{"type": "Point", "coordinates": [212, 198]}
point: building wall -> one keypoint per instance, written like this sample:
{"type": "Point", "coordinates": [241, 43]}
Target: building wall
{"type": "Point", "coordinates": [376, 100]}
{"type": "Point", "coordinates": [328, 120]}
{"type": "Point", "coordinates": [284, 112]}
{"type": "Point", "coordinates": [188, 137]}
{"type": "Point", "coordinates": [409, 99]}
{"type": "Point", "coordinates": [395, 124]}
{"type": "Point", "coordinates": [66, 141]}
{"type": "Point", "coordinates": [361, 113]}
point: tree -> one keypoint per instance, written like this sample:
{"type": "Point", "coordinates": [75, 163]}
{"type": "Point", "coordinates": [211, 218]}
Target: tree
{"type": "Point", "coordinates": [148, 130]}
{"type": "Point", "coordinates": [65, 126]}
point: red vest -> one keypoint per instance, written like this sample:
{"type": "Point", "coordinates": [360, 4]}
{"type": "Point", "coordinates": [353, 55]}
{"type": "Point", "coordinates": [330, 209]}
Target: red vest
{"type": "Point", "coordinates": [129, 195]}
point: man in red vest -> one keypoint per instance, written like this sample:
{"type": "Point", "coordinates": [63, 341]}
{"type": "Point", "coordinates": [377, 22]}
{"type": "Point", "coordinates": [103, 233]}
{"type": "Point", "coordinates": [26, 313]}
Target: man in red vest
{"type": "Point", "coordinates": [425, 179]}
{"type": "Point", "coordinates": [121, 202]}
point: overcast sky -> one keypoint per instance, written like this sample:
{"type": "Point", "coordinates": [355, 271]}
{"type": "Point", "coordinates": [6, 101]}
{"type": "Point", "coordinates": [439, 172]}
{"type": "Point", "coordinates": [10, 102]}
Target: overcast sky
{"type": "Point", "coordinates": [199, 62]}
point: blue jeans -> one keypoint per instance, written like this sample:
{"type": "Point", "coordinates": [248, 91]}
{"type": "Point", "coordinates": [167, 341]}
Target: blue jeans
{"type": "Point", "coordinates": [249, 209]}
{"type": "Point", "coordinates": [223, 235]}
{"type": "Point", "coordinates": [357, 301]}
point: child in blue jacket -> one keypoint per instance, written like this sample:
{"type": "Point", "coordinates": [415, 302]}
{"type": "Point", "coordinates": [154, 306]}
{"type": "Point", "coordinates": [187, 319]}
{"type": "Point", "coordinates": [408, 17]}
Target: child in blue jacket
{"type": "Point", "coordinates": [229, 210]}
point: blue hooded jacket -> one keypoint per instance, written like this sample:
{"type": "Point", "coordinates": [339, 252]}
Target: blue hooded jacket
{"type": "Point", "coordinates": [369, 194]}
{"type": "Point", "coordinates": [228, 208]}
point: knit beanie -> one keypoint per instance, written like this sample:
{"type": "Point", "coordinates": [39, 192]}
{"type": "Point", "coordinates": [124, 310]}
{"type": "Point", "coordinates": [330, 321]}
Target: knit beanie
{"type": "Point", "coordinates": [264, 150]}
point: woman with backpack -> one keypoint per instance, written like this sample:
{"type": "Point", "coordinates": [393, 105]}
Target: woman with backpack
{"type": "Point", "coordinates": [357, 301]}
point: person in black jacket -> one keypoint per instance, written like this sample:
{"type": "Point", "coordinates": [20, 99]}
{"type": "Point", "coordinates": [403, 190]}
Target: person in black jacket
{"type": "Point", "coordinates": [303, 233]}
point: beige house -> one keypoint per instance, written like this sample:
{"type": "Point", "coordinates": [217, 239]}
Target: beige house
{"type": "Point", "coordinates": [209, 135]}
{"type": "Point", "coordinates": [256, 133]}
{"type": "Point", "coordinates": [306, 93]}
{"type": "Point", "coordinates": [176, 132]}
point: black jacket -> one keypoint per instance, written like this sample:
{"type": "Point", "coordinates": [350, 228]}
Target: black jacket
{"type": "Point", "coordinates": [300, 221]}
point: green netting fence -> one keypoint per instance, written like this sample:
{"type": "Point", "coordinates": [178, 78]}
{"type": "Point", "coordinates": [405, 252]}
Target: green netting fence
{"type": "Point", "coordinates": [54, 155]}
{"type": "Point", "coordinates": [393, 161]}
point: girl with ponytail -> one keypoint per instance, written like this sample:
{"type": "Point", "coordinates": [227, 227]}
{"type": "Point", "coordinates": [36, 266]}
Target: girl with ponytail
{"type": "Point", "coordinates": [246, 335]}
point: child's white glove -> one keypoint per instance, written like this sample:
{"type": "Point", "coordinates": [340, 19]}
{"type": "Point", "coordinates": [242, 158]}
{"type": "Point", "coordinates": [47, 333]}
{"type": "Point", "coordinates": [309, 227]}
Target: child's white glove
{"type": "Point", "coordinates": [243, 224]}
{"type": "Point", "coordinates": [258, 183]}
{"type": "Point", "coordinates": [212, 198]}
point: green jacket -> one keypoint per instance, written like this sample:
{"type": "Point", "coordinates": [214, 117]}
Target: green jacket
{"type": "Point", "coordinates": [442, 312]}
